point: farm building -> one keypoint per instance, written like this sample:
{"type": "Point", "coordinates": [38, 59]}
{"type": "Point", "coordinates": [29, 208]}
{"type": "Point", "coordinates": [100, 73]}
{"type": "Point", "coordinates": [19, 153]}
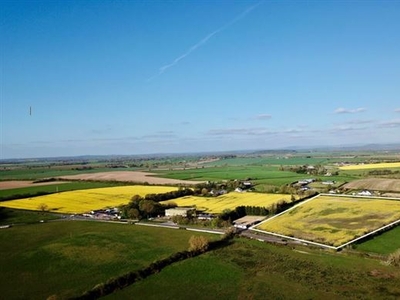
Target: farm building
{"type": "Point", "coordinates": [247, 221]}
{"type": "Point", "coordinates": [364, 193]}
{"type": "Point", "coordinates": [180, 211]}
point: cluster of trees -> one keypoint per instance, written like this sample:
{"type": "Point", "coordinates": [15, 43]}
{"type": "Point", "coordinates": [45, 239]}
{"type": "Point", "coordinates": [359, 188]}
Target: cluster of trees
{"type": "Point", "coordinates": [305, 169]}
{"type": "Point", "coordinates": [204, 189]}
{"type": "Point", "coordinates": [251, 210]}
{"type": "Point", "coordinates": [169, 195]}
{"type": "Point", "coordinates": [139, 208]}
{"type": "Point", "coordinates": [150, 206]}
{"type": "Point", "coordinates": [217, 222]}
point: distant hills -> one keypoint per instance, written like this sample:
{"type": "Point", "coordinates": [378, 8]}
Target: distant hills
{"type": "Point", "coordinates": [283, 151]}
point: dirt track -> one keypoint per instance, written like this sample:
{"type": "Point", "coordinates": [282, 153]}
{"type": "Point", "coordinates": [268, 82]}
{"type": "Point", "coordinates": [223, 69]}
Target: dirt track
{"type": "Point", "coordinates": [14, 184]}
{"type": "Point", "coordinates": [375, 184]}
{"type": "Point", "coordinates": [129, 176]}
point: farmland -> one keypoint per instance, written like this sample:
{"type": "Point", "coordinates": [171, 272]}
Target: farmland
{"type": "Point", "coordinates": [129, 176]}
{"type": "Point", "coordinates": [81, 201]}
{"type": "Point", "coordinates": [385, 243]}
{"type": "Point", "coordinates": [376, 184]}
{"type": "Point", "coordinates": [264, 177]}
{"type": "Point", "coordinates": [55, 187]}
{"type": "Point", "coordinates": [253, 270]}
{"type": "Point", "coordinates": [371, 166]}
{"type": "Point", "coordinates": [231, 201]}
{"type": "Point", "coordinates": [334, 220]}
{"type": "Point", "coordinates": [67, 258]}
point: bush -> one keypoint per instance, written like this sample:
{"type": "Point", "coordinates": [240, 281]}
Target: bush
{"type": "Point", "coordinates": [394, 259]}
{"type": "Point", "coordinates": [198, 243]}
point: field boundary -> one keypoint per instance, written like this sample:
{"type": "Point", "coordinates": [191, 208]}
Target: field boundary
{"type": "Point", "coordinates": [157, 225]}
{"type": "Point", "coordinates": [253, 228]}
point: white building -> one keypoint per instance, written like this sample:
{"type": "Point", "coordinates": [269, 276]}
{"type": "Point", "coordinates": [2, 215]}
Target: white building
{"type": "Point", "coordinates": [180, 211]}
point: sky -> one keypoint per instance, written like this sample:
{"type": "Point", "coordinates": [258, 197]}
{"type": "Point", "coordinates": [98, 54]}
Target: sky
{"type": "Point", "coordinates": [143, 77]}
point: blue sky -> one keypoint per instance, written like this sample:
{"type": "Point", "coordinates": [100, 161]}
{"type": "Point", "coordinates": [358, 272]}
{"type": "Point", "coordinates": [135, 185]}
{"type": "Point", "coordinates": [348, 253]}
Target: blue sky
{"type": "Point", "coordinates": [140, 77]}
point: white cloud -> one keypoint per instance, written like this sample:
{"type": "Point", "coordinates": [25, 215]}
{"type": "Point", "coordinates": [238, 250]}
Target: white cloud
{"type": "Point", "coordinates": [342, 110]}
{"type": "Point", "coordinates": [358, 121]}
{"type": "Point", "coordinates": [345, 128]}
{"type": "Point", "coordinates": [390, 124]}
{"type": "Point", "coordinates": [397, 110]}
{"type": "Point", "coordinates": [240, 131]}
{"type": "Point", "coordinates": [263, 117]}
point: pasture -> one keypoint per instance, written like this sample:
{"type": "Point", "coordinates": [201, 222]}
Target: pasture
{"type": "Point", "coordinates": [230, 201]}
{"type": "Point", "coordinates": [67, 258]}
{"type": "Point", "coordinates": [264, 177]}
{"type": "Point", "coordinates": [385, 243]}
{"type": "Point", "coordinates": [333, 220]}
{"type": "Point", "coordinates": [253, 270]}
{"type": "Point", "coordinates": [81, 201]}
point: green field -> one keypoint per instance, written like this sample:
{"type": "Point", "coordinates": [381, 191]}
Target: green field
{"type": "Point", "coordinates": [16, 216]}
{"type": "Point", "coordinates": [39, 173]}
{"type": "Point", "coordinates": [66, 258]}
{"type": "Point", "coordinates": [53, 188]}
{"type": "Point", "coordinates": [283, 160]}
{"type": "Point", "coordinates": [253, 270]}
{"type": "Point", "coordinates": [260, 175]}
{"type": "Point", "coordinates": [385, 243]}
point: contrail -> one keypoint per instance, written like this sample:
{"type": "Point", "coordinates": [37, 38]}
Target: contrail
{"type": "Point", "coordinates": [204, 40]}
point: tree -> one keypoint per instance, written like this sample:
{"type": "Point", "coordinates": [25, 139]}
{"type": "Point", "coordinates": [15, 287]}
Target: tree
{"type": "Point", "coordinates": [147, 206]}
{"type": "Point", "coordinates": [43, 207]}
{"type": "Point", "coordinates": [394, 259]}
{"type": "Point", "coordinates": [133, 213]}
{"type": "Point", "coordinates": [198, 243]}
{"type": "Point", "coordinates": [204, 191]}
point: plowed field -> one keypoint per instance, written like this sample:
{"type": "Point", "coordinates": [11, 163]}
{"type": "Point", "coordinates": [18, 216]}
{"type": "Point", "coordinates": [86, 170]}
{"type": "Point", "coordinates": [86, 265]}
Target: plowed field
{"type": "Point", "coordinates": [375, 184]}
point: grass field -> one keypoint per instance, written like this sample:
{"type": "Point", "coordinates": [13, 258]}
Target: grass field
{"type": "Point", "coordinates": [39, 173]}
{"type": "Point", "coordinates": [253, 270]}
{"type": "Point", "coordinates": [16, 216]}
{"type": "Point", "coordinates": [387, 242]}
{"type": "Point", "coordinates": [371, 166]}
{"type": "Point", "coordinates": [67, 258]}
{"type": "Point", "coordinates": [230, 201]}
{"type": "Point", "coordinates": [260, 175]}
{"type": "Point", "coordinates": [86, 200]}
{"type": "Point", "coordinates": [334, 220]}
{"type": "Point", "coordinates": [53, 188]}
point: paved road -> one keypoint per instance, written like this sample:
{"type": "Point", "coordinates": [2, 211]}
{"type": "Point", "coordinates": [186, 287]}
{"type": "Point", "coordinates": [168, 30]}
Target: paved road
{"type": "Point", "coordinates": [267, 238]}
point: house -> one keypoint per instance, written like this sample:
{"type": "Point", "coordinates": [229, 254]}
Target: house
{"type": "Point", "coordinates": [205, 217]}
{"type": "Point", "coordinates": [180, 211]}
{"type": "Point", "coordinates": [329, 182]}
{"type": "Point", "coordinates": [364, 193]}
{"type": "Point", "coordinates": [247, 184]}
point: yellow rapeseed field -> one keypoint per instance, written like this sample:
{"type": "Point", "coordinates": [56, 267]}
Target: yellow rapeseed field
{"type": "Point", "coordinates": [86, 200]}
{"type": "Point", "coordinates": [230, 201]}
{"type": "Point", "coordinates": [371, 166]}
{"type": "Point", "coordinates": [334, 220]}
